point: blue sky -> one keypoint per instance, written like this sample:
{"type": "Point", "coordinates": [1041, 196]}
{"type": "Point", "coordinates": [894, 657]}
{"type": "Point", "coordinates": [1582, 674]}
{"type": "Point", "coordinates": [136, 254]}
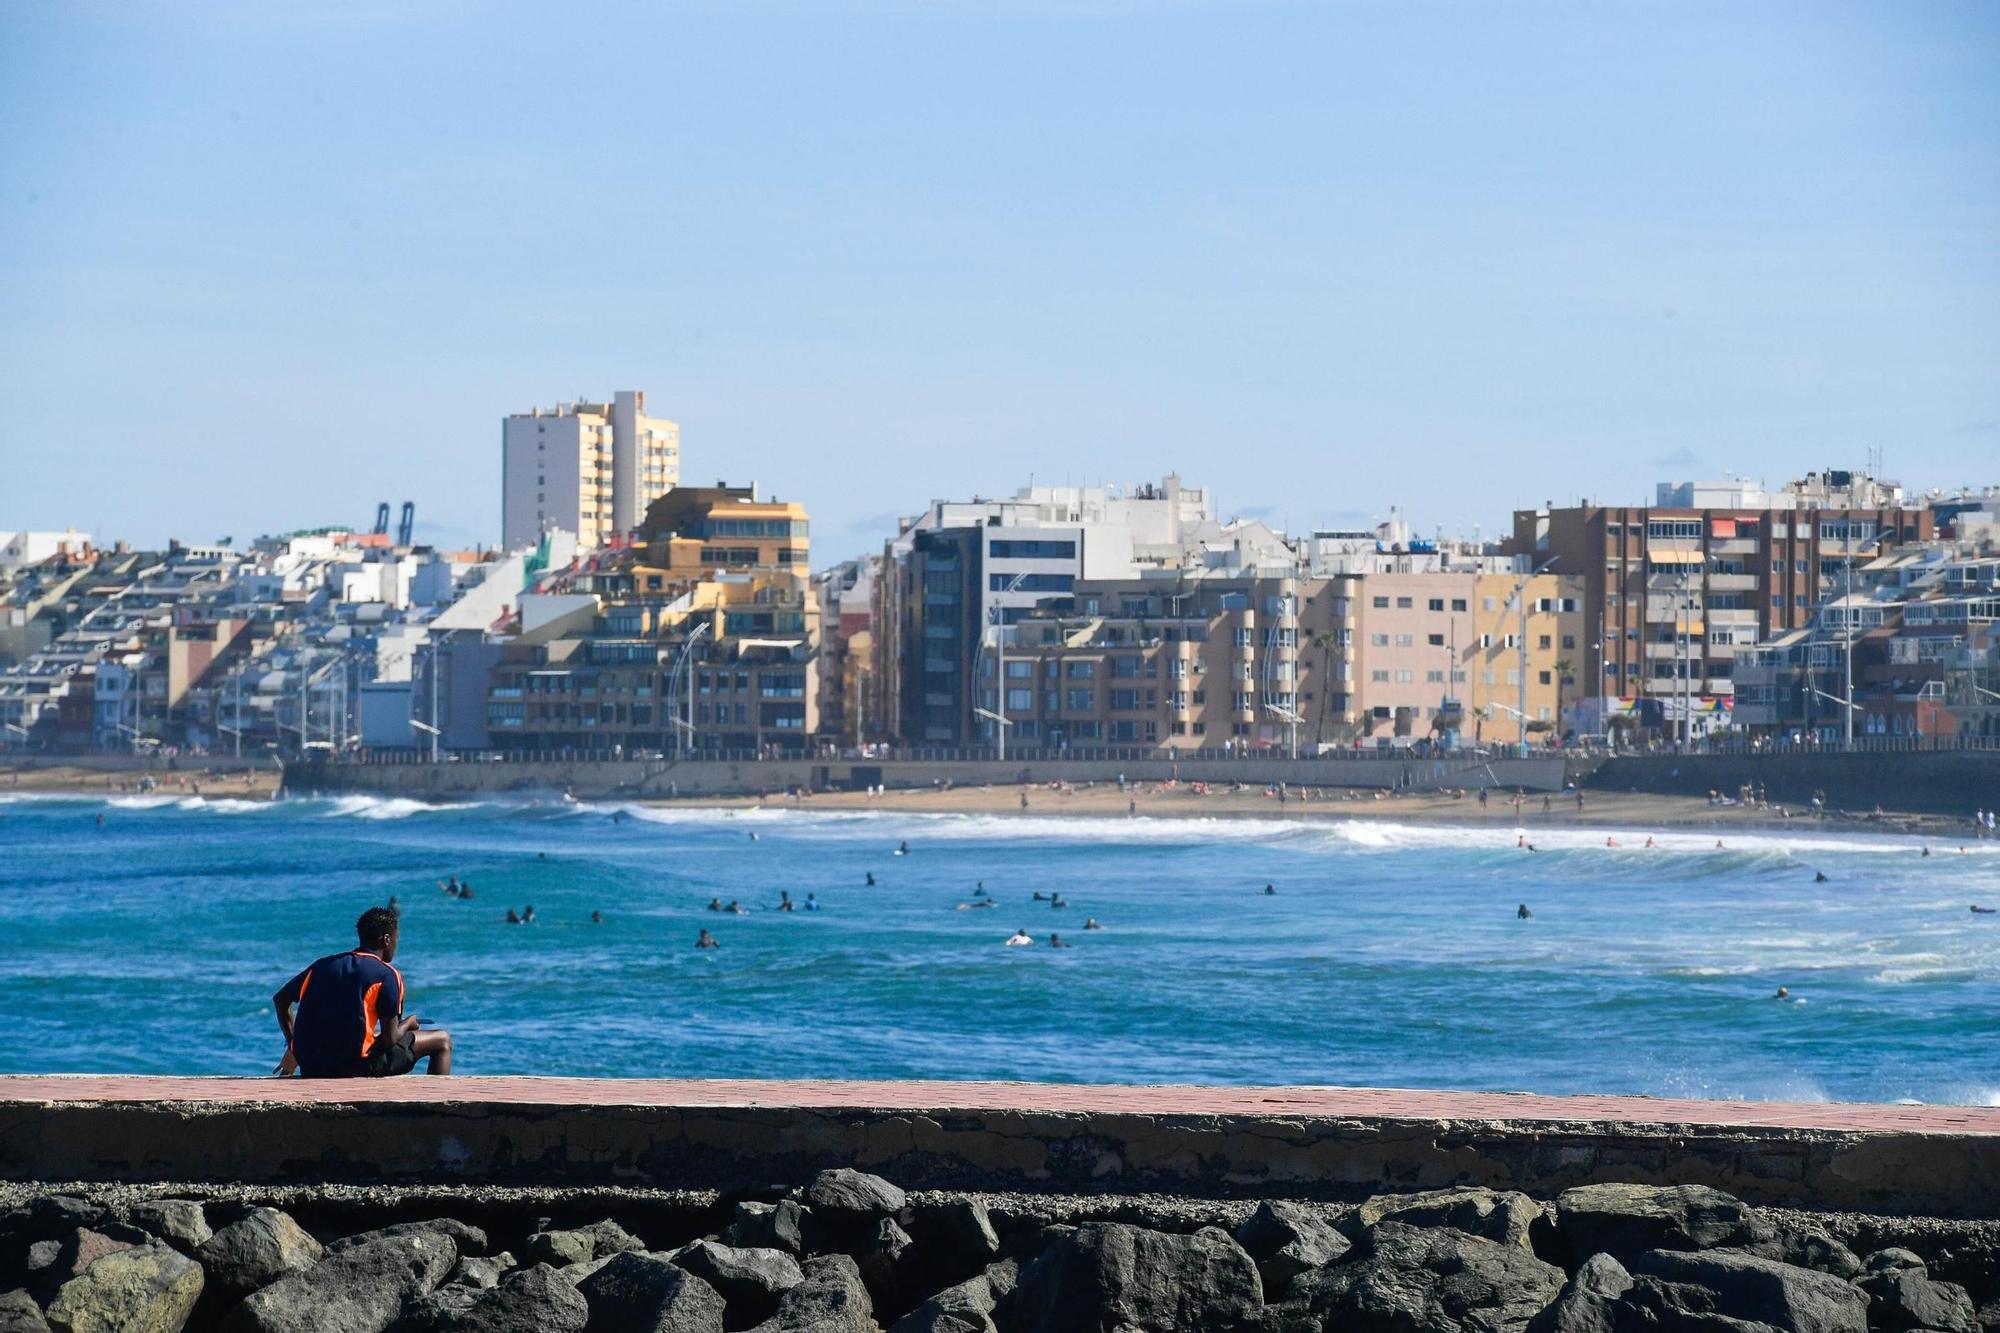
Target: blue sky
{"type": "Point", "coordinates": [264, 265]}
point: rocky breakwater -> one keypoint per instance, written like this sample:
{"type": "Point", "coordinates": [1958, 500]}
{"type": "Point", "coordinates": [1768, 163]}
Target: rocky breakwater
{"type": "Point", "coordinates": [849, 1252]}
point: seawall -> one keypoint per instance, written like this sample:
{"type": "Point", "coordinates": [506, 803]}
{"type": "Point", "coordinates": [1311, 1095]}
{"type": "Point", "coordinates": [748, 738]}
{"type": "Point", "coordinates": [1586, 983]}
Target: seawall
{"type": "Point", "coordinates": [1942, 782]}
{"type": "Point", "coordinates": [1206, 1142]}
{"type": "Point", "coordinates": [635, 779]}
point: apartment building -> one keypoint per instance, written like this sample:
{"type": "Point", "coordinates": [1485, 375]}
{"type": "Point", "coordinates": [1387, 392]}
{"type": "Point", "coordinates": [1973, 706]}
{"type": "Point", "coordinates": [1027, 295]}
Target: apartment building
{"type": "Point", "coordinates": [1916, 636]}
{"type": "Point", "coordinates": [1178, 663]}
{"type": "Point", "coordinates": [1481, 655]}
{"type": "Point", "coordinates": [587, 468]}
{"type": "Point", "coordinates": [699, 638]}
{"type": "Point", "coordinates": [1674, 590]}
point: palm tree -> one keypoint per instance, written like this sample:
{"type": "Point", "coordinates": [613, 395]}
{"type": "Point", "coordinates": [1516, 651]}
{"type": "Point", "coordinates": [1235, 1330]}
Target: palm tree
{"type": "Point", "coordinates": [1324, 641]}
{"type": "Point", "coordinates": [1563, 665]}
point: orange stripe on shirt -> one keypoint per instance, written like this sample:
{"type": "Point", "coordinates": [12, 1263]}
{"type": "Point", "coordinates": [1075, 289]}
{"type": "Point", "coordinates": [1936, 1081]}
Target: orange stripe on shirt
{"type": "Point", "coordinates": [368, 998]}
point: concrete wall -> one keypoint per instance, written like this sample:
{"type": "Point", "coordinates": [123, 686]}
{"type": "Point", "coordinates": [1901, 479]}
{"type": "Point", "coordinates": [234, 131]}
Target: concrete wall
{"type": "Point", "coordinates": [1949, 782]}
{"type": "Point", "coordinates": [1226, 1155]}
{"type": "Point", "coordinates": [588, 779]}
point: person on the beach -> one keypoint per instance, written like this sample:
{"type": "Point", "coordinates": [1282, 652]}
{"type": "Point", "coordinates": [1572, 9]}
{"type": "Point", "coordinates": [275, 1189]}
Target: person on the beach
{"type": "Point", "coordinates": [706, 940]}
{"type": "Point", "coordinates": [349, 1020]}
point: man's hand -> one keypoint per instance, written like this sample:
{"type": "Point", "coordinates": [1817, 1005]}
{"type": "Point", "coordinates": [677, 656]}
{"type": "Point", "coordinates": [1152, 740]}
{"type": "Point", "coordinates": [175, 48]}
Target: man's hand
{"type": "Point", "coordinates": [405, 1026]}
{"type": "Point", "coordinates": [287, 1066]}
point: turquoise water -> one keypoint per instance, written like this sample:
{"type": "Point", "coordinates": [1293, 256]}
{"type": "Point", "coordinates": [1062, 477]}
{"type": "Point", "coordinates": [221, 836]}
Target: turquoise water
{"type": "Point", "coordinates": [1389, 956]}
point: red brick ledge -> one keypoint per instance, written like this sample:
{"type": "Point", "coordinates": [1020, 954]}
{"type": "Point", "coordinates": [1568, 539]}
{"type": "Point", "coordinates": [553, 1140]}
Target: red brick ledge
{"type": "Point", "coordinates": [1062, 1098]}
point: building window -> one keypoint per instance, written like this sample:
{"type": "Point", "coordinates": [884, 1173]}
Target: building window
{"type": "Point", "coordinates": [1458, 604]}
{"type": "Point", "coordinates": [1379, 677]}
{"type": "Point", "coordinates": [1381, 604]}
{"type": "Point", "coordinates": [1080, 701]}
{"type": "Point", "coordinates": [1437, 640]}
{"type": "Point", "coordinates": [1404, 603]}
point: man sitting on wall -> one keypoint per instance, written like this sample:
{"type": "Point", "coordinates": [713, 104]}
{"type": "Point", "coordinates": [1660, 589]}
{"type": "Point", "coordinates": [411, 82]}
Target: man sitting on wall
{"type": "Point", "coordinates": [350, 1021]}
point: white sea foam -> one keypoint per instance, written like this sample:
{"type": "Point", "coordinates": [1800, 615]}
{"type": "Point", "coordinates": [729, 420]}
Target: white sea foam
{"type": "Point", "coordinates": [377, 807]}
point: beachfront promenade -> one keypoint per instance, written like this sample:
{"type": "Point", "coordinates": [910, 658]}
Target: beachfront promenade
{"type": "Point", "coordinates": [1213, 1141]}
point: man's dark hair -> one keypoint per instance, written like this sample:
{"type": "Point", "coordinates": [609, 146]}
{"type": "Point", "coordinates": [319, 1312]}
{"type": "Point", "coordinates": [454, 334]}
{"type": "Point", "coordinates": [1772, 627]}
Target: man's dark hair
{"type": "Point", "coordinates": [375, 926]}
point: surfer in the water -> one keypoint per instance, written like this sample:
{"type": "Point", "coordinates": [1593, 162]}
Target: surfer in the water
{"type": "Point", "coordinates": [904, 848]}
{"type": "Point", "coordinates": [1819, 877]}
{"type": "Point", "coordinates": [1522, 913]}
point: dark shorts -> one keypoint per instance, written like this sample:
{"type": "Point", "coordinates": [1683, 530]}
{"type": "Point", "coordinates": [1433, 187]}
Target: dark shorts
{"type": "Point", "coordinates": [385, 1061]}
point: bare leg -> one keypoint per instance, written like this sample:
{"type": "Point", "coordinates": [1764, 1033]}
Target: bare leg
{"type": "Point", "coordinates": [435, 1043]}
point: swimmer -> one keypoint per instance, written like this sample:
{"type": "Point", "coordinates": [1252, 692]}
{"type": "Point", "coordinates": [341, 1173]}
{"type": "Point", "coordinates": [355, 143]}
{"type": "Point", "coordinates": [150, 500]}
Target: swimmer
{"type": "Point", "coordinates": [597, 918]}
{"type": "Point", "coordinates": [1984, 911]}
{"type": "Point", "coordinates": [1057, 942]}
{"type": "Point", "coordinates": [1611, 842]}
{"type": "Point", "coordinates": [1091, 924]}
{"type": "Point", "coordinates": [1521, 840]}
{"type": "Point", "coordinates": [871, 879]}
{"type": "Point", "coordinates": [706, 940]}
{"type": "Point", "coordinates": [1270, 890]}
{"type": "Point", "coordinates": [513, 917]}
{"type": "Point", "coordinates": [1522, 913]}
{"type": "Point", "coordinates": [715, 904]}
{"type": "Point", "coordinates": [1019, 938]}
{"type": "Point", "coordinates": [1782, 994]}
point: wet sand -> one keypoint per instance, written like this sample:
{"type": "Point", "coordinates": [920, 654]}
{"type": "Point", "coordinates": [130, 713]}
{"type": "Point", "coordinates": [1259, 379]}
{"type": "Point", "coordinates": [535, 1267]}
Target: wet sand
{"type": "Point", "coordinates": [190, 779]}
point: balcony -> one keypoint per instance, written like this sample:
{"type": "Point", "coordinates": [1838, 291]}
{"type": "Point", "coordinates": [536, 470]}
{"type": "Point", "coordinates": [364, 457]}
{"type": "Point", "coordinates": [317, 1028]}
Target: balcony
{"type": "Point", "coordinates": [1734, 546]}
{"type": "Point", "coordinates": [1733, 616]}
{"type": "Point", "coordinates": [1732, 582]}
{"type": "Point", "coordinates": [1665, 652]}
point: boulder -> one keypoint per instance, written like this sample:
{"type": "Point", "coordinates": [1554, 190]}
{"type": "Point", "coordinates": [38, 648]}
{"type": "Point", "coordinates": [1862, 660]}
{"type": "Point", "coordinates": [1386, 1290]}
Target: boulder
{"type": "Point", "coordinates": [1803, 1247]}
{"type": "Point", "coordinates": [527, 1300]}
{"type": "Point", "coordinates": [72, 1255]}
{"type": "Point", "coordinates": [576, 1245]}
{"type": "Point", "coordinates": [466, 1239]}
{"type": "Point", "coordinates": [1287, 1239]}
{"type": "Point", "coordinates": [48, 1216]}
{"type": "Point", "coordinates": [481, 1271]}
{"type": "Point", "coordinates": [1626, 1221]}
{"type": "Point", "coordinates": [360, 1290]}
{"type": "Point", "coordinates": [134, 1289]}
{"type": "Point", "coordinates": [845, 1190]}
{"type": "Point", "coordinates": [1106, 1274]}
{"type": "Point", "coordinates": [1502, 1215]}
{"type": "Point", "coordinates": [1745, 1287]}
{"type": "Point", "coordinates": [644, 1293]}
{"type": "Point", "coordinates": [750, 1281]}
{"type": "Point", "coordinates": [885, 1263]}
{"type": "Point", "coordinates": [438, 1311]}
{"type": "Point", "coordinates": [181, 1223]}
{"type": "Point", "coordinates": [830, 1298]}
{"type": "Point", "coordinates": [964, 1307]}
{"type": "Point", "coordinates": [1406, 1279]}
{"type": "Point", "coordinates": [1890, 1260]}
{"type": "Point", "coordinates": [1909, 1298]}
{"type": "Point", "coordinates": [20, 1314]}
{"type": "Point", "coordinates": [258, 1250]}
{"type": "Point", "coordinates": [1589, 1301]}
{"type": "Point", "coordinates": [955, 1240]}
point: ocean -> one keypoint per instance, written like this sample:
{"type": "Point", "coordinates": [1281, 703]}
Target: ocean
{"type": "Point", "coordinates": [1390, 955]}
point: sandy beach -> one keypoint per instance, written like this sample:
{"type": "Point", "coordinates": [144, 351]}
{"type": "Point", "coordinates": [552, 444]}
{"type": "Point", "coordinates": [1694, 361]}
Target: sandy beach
{"type": "Point", "coordinates": [1625, 811]}
{"type": "Point", "coordinates": [191, 779]}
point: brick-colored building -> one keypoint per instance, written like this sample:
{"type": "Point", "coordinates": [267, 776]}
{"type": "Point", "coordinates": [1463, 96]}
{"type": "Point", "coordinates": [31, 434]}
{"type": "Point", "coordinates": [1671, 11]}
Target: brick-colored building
{"type": "Point", "coordinates": [1672, 590]}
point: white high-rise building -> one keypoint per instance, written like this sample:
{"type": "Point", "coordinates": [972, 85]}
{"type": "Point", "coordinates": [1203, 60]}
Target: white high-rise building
{"type": "Point", "coordinates": [587, 468]}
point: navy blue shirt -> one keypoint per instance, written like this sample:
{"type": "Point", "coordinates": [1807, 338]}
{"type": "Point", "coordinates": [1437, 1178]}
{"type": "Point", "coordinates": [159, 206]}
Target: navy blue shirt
{"type": "Point", "coordinates": [342, 1002]}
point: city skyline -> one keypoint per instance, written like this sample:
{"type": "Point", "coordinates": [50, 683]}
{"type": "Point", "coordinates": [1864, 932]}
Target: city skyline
{"type": "Point", "coordinates": [267, 270]}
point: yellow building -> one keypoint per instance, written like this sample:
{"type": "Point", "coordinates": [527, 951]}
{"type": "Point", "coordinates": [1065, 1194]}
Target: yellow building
{"type": "Point", "coordinates": [700, 531]}
{"type": "Point", "coordinates": [1544, 653]}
